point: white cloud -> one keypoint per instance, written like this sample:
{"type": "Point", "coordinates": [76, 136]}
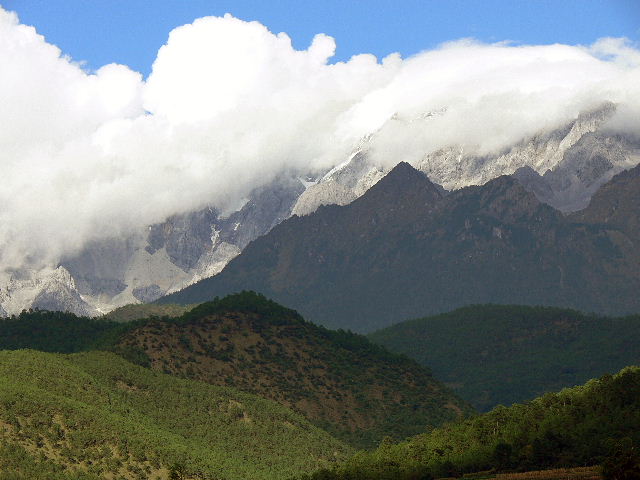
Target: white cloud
{"type": "Point", "coordinates": [229, 105]}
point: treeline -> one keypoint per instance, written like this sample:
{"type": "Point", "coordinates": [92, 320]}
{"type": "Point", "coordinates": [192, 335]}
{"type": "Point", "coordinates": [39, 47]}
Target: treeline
{"type": "Point", "coordinates": [64, 332]}
{"type": "Point", "coordinates": [59, 332]}
{"type": "Point", "coordinates": [589, 425]}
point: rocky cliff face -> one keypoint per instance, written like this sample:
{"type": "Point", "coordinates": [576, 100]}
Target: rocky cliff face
{"type": "Point", "coordinates": [152, 262]}
{"type": "Point", "coordinates": [47, 290]}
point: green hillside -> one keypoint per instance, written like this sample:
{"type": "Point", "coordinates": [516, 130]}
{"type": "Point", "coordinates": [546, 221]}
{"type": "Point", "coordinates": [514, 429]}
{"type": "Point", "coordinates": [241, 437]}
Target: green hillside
{"type": "Point", "coordinates": [496, 354]}
{"type": "Point", "coordinates": [587, 425]}
{"type": "Point", "coordinates": [94, 415]}
{"type": "Point", "coordinates": [338, 380]}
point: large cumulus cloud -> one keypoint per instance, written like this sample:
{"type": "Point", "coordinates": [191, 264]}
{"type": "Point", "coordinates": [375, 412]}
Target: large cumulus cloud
{"type": "Point", "coordinates": [229, 105]}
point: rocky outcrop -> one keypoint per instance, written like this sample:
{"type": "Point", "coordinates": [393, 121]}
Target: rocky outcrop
{"type": "Point", "coordinates": [47, 290]}
{"type": "Point", "coordinates": [563, 166]}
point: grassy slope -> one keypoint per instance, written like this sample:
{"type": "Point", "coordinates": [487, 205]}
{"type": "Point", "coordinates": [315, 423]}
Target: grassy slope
{"type": "Point", "coordinates": [493, 354]}
{"type": "Point", "coordinates": [574, 427]}
{"type": "Point", "coordinates": [99, 414]}
{"type": "Point", "coordinates": [338, 380]}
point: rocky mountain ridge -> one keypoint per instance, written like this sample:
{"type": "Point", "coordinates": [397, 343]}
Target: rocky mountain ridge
{"type": "Point", "coordinates": [562, 167]}
{"type": "Point", "coordinates": [375, 262]}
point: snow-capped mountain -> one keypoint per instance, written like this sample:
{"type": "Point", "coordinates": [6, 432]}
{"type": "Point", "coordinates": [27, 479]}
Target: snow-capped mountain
{"type": "Point", "coordinates": [563, 167]}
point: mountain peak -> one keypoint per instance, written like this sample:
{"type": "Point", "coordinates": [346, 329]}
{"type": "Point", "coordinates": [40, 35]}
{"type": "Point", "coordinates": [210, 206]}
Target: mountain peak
{"type": "Point", "coordinates": [405, 172]}
{"type": "Point", "coordinates": [403, 186]}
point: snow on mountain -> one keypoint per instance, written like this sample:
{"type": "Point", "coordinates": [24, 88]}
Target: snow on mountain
{"type": "Point", "coordinates": [572, 161]}
{"type": "Point", "coordinates": [340, 186]}
{"type": "Point", "coordinates": [562, 167]}
{"type": "Point", "coordinates": [453, 168]}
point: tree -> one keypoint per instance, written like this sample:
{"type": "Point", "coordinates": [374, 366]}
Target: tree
{"type": "Point", "coordinates": [623, 463]}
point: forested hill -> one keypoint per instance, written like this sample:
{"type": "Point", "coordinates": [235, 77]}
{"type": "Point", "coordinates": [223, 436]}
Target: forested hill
{"type": "Point", "coordinates": [598, 423]}
{"type": "Point", "coordinates": [93, 416]}
{"type": "Point", "coordinates": [499, 354]}
{"type": "Point", "coordinates": [340, 381]}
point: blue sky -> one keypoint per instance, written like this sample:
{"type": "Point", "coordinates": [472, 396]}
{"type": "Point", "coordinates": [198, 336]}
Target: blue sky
{"type": "Point", "coordinates": [131, 31]}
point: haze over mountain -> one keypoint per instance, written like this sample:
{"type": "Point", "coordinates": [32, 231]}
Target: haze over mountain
{"type": "Point", "coordinates": [191, 256]}
{"type": "Point", "coordinates": [126, 189]}
{"type": "Point", "coordinates": [404, 249]}
{"type": "Point", "coordinates": [575, 160]}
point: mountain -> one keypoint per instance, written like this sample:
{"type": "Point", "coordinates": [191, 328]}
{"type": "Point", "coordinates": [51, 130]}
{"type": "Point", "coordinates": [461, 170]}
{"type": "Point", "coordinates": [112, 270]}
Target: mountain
{"type": "Point", "coordinates": [151, 261]}
{"type": "Point", "coordinates": [503, 354]}
{"type": "Point", "coordinates": [50, 289]}
{"type": "Point", "coordinates": [598, 423]}
{"type": "Point", "coordinates": [563, 166]}
{"type": "Point", "coordinates": [616, 205]}
{"type": "Point", "coordinates": [338, 380]}
{"type": "Point", "coordinates": [94, 415]}
{"type": "Point", "coordinates": [185, 248]}
{"type": "Point", "coordinates": [403, 250]}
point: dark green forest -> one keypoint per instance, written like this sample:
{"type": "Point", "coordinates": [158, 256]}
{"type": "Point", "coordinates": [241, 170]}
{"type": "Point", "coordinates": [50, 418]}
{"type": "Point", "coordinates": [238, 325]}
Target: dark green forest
{"type": "Point", "coordinates": [501, 354]}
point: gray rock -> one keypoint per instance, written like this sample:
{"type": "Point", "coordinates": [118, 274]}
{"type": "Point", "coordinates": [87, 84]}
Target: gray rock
{"type": "Point", "coordinates": [148, 294]}
{"type": "Point", "coordinates": [185, 237]}
{"type": "Point", "coordinates": [562, 167]}
{"type": "Point", "coordinates": [59, 294]}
